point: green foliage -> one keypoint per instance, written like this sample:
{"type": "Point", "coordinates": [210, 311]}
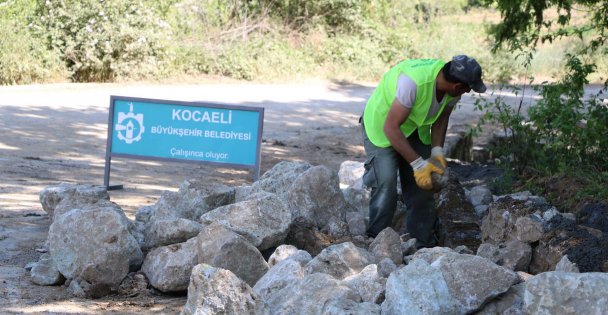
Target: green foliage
{"type": "Point", "coordinates": [22, 59]}
{"type": "Point", "coordinates": [564, 133]}
{"type": "Point", "coordinates": [104, 40]}
{"type": "Point", "coordinates": [525, 22]}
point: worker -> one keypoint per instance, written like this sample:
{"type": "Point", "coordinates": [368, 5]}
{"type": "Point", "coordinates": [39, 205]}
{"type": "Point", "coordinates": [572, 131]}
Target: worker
{"type": "Point", "coordinates": [404, 126]}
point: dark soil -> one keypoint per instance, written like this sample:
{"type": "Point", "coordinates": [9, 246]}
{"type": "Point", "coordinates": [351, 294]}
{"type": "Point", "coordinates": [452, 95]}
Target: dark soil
{"type": "Point", "coordinates": [595, 215]}
{"type": "Point", "coordinates": [589, 252]}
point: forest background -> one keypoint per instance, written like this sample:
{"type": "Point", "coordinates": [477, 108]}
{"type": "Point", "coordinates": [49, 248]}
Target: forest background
{"type": "Point", "coordinates": [556, 46]}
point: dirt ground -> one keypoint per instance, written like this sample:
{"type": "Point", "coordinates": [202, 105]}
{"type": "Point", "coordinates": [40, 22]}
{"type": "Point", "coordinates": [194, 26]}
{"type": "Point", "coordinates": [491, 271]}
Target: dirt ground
{"type": "Point", "coordinates": [57, 133]}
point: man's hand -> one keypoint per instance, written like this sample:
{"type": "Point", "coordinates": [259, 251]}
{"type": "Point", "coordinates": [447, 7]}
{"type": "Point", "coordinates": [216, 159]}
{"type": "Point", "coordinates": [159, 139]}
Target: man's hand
{"type": "Point", "coordinates": [437, 157]}
{"type": "Point", "coordinates": [422, 173]}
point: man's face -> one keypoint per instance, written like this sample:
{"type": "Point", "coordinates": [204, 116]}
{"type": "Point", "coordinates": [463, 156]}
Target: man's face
{"type": "Point", "coordinates": [457, 89]}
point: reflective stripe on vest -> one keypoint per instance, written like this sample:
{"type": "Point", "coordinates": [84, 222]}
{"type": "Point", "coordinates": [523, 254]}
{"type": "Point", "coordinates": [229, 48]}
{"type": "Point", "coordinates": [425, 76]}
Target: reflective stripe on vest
{"type": "Point", "coordinates": [423, 72]}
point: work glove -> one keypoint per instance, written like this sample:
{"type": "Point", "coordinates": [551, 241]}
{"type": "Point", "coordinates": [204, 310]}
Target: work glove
{"type": "Point", "coordinates": [438, 158]}
{"type": "Point", "coordinates": [422, 172]}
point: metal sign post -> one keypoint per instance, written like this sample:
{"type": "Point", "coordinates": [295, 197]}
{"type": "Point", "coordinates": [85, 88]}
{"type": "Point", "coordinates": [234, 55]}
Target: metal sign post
{"type": "Point", "coordinates": [216, 134]}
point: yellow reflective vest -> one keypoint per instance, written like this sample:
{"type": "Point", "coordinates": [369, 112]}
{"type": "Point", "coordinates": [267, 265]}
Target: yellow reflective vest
{"type": "Point", "coordinates": [423, 72]}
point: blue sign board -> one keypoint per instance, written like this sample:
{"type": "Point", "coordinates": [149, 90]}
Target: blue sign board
{"type": "Point", "coordinates": [220, 134]}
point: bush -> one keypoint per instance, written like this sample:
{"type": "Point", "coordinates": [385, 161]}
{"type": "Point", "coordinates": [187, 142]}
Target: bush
{"type": "Point", "coordinates": [22, 59]}
{"type": "Point", "coordinates": [104, 40]}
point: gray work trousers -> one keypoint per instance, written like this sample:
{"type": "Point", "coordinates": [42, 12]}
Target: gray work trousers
{"type": "Point", "coordinates": [381, 168]}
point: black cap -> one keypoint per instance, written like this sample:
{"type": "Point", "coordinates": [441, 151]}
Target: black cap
{"type": "Point", "coordinates": [466, 70]}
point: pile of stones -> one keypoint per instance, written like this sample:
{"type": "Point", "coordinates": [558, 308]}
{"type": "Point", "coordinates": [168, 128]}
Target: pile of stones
{"type": "Point", "coordinates": [293, 243]}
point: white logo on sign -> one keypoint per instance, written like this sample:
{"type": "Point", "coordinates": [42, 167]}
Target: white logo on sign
{"type": "Point", "coordinates": [130, 126]}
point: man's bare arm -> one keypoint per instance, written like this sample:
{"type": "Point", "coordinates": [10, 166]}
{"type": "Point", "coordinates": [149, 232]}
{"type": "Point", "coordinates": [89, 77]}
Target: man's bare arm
{"type": "Point", "coordinates": [396, 116]}
{"type": "Point", "coordinates": [440, 127]}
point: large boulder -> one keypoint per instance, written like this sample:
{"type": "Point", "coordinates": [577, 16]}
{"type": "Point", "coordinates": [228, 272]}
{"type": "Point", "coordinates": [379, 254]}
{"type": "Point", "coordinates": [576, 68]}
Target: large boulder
{"type": "Point", "coordinates": [162, 232]}
{"type": "Point", "coordinates": [350, 172]}
{"type": "Point", "coordinates": [279, 179]}
{"type": "Point", "coordinates": [284, 252]}
{"type": "Point", "coordinates": [279, 276]}
{"type": "Point", "coordinates": [567, 293]}
{"type": "Point", "coordinates": [218, 291]}
{"type": "Point", "coordinates": [510, 303]}
{"type": "Point", "coordinates": [315, 197]}
{"type": "Point", "coordinates": [308, 296]}
{"type": "Point", "coordinates": [340, 260]}
{"type": "Point", "coordinates": [368, 283]}
{"type": "Point", "coordinates": [72, 196]}
{"type": "Point", "coordinates": [510, 219]}
{"type": "Point", "coordinates": [168, 268]}
{"type": "Point", "coordinates": [194, 198]}
{"type": "Point", "coordinates": [263, 219]}
{"type": "Point", "coordinates": [514, 255]}
{"type": "Point", "coordinates": [387, 244]}
{"type": "Point", "coordinates": [455, 283]}
{"type": "Point", "coordinates": [222, 248]}
{"type": "Point", "coordinates": [420, 289]}
{"type": "Point", "coordinates": [94, 244]}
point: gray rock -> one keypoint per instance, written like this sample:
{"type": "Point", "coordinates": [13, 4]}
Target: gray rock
{"type": "Point", "coordinates": [489, 251]}
{"type": "Point", "coordinates": [242, 193]}
{"type": "Point", "coordinates": [336, 228]}
{"type": "Point", "coordinates": [480, 195]}
{"type": "Point", "coordinates": [529, 228]}
{"type": "Point", "coordinates": [284, 252]}
{"type": "Point", "coordinates": [76, 290]}
{"type": "Point", "coordinates": [567, 293]}
{"type": "Point", "coordinates": [387, 244]}
{"type": "Point", "coordinates": [550, 214]}
{"type": "Point", "coordinates": [138, 230]}
{"type": "Point", "coordinates": [510, 303]}
{"type": "Point", "coordinates": [143, 214]}
{"type": "Point", "coordinates": [315, 197]}
{"type": "Point", "coordinates": [420, 289]}
{"type": "Point", "coordinates": [309, 295]}
{"type": "Point", "coordinates": [95, 239]}
{"type": "Point", "coordinates": [514, 255]}
{"type": "Point", "coordinates": [499, 225]}
{"type": "Point", "coordinates": [162, 232]}
{"type": "Point", "coordinates": [280, 178]}
{"type": "Point", "coordinates": [344, 306]}
{"type": "Point", "coordinates": [279, 276]}
{"type": "Point", "coordinates": [222, 248]}
{"type": "Point", "coordinates": [208, 196]}
{"type": "Point", "coordinates": [218, 291]}
{"type": "Point", "coordinates": [350, 172]}
{"type": "Point", "coordinates": [357, 198]}
{"type": "Point", "coordinates": [194, 198]}
{"type": "Point", "coordinates": [45, 272]}
{"type": "Point", "coordinates": [168, 268]}
{"type": "Point", "coordinates": [408, 247]}
{"type": "Point", "coordinates": [481, 210]}
{"type": "Point", "coordinates": [368, 283]}
{"type": "Point", "coordinates": [463, 249]}
{"type": "Point", "coordinates": [356, 223]}
{"type": "Point", "coordinates": [263, 219]}
{"type": "Point", "coordinates": [30, 265]}
{"type": "Point", "coordinates": [385, 267]}
{"type": "Point", "coordinates": [50, 197]}
{"type": "Point", "coordinates": [340, 260]}
{"type": "Point", "coordinates": [566, 265]}
{"type": "Point", "coordinates": [472, 280]}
